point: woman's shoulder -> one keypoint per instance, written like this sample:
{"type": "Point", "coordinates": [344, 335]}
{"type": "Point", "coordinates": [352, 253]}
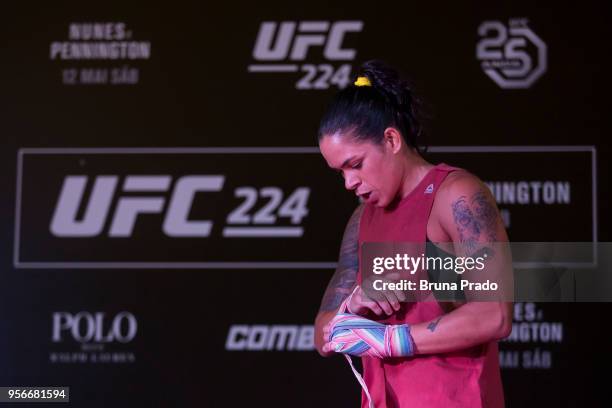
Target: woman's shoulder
{"type": "Point", "coordinates": [459, 181]}
{"type": "Point", "coordinates": [460, 188]}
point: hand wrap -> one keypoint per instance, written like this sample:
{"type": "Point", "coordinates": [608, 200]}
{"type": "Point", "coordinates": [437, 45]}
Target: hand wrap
{"type": "Point", "coordinates": [358, 336]}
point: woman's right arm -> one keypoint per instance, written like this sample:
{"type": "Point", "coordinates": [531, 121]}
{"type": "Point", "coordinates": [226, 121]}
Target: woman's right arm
{"type": "Point", "coordinates": [342, 284]}
{"type": "Point", "coordinates": [343, 280]}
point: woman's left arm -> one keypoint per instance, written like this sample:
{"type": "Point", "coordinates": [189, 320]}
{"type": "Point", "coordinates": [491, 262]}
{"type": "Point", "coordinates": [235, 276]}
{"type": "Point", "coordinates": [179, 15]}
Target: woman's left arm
{"type": "Point", "coordinates": [466, 211]}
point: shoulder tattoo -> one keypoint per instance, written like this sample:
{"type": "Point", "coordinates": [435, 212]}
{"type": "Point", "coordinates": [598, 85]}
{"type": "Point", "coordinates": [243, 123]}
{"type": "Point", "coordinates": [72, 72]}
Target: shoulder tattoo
{"type": "Point", "coordinates": [475, 218]}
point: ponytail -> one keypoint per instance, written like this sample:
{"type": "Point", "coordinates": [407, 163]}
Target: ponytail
{"type": "Point", "coordinates": [378, 98]}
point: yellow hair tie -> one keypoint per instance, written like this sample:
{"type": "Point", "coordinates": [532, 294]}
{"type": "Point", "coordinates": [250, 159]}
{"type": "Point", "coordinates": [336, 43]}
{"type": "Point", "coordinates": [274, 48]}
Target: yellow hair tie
{"type": "Point", "coordinates": [363, 81]}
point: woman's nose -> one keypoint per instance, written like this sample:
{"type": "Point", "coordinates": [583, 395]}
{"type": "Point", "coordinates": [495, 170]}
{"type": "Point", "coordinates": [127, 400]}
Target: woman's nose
{"type": "Point", "coordinates": [351, 182]}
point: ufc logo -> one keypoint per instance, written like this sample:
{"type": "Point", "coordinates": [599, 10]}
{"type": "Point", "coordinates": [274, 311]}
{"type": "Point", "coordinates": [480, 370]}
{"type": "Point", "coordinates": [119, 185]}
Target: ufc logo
{"type": "Point", "coordinates": [293, 40]}
{"type": "Point", "coordinates": [176, 223]}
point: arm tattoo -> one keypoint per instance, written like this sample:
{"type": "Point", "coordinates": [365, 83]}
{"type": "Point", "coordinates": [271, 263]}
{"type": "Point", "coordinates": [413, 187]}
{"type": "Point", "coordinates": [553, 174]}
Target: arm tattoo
{"type": "Point", "coordinates": [432, 326]}
{"type": "Point", "coordinates": [344, 278]}
{"type": "Point", "coordinates": [486, 213]}
{"type": "Point", "coordinates": [475, 218]}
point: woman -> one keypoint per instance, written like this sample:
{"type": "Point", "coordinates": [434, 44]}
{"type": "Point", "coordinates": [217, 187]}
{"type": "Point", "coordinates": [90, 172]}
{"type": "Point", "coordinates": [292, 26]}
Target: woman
{"type": "Point", "coordinates": [447, 351]}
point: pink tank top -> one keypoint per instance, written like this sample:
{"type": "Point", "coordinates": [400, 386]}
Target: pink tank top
{"type": "Point", "coordinates": [464, 378]}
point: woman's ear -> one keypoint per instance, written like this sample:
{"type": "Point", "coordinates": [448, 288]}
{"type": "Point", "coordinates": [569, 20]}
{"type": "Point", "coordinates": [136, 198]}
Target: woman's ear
{"type": "Point", "coordinates": [393, 140]}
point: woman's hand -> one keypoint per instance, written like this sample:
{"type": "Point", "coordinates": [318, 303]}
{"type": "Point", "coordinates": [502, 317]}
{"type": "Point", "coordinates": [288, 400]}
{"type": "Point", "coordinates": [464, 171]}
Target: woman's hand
{"type": "Point", "coordinates": [385, 304]}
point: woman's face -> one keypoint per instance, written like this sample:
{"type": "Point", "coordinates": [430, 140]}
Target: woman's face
{"type": "Point", "coordinates": [372, 171]}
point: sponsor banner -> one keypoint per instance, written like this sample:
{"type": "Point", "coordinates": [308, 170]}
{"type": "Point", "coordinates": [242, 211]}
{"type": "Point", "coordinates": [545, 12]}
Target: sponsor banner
{"type": "Point", "coordinates": [254, 207]}
{"type": "Point", "coordinates": [262, 337]}
{"type": "Point", "coordinates": [203, 208]}
{"type": "Point", "coordinates": [87, 337]}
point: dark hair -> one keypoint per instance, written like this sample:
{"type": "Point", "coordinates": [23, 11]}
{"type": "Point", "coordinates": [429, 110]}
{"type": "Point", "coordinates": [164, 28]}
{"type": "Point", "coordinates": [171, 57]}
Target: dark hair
{"type": "Point", "coordinates": [366, 111]}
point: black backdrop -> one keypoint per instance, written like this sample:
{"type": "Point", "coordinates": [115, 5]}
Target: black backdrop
{"type": "Point", "coordinates": [152, 317]}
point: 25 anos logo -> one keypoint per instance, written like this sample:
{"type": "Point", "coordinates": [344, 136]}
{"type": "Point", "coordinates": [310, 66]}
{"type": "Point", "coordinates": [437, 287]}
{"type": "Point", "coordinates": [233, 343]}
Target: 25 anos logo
{"type": "Point", "coordinates": [285, 46]}
{"type": "Point", "coordinates": [513, 56]}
